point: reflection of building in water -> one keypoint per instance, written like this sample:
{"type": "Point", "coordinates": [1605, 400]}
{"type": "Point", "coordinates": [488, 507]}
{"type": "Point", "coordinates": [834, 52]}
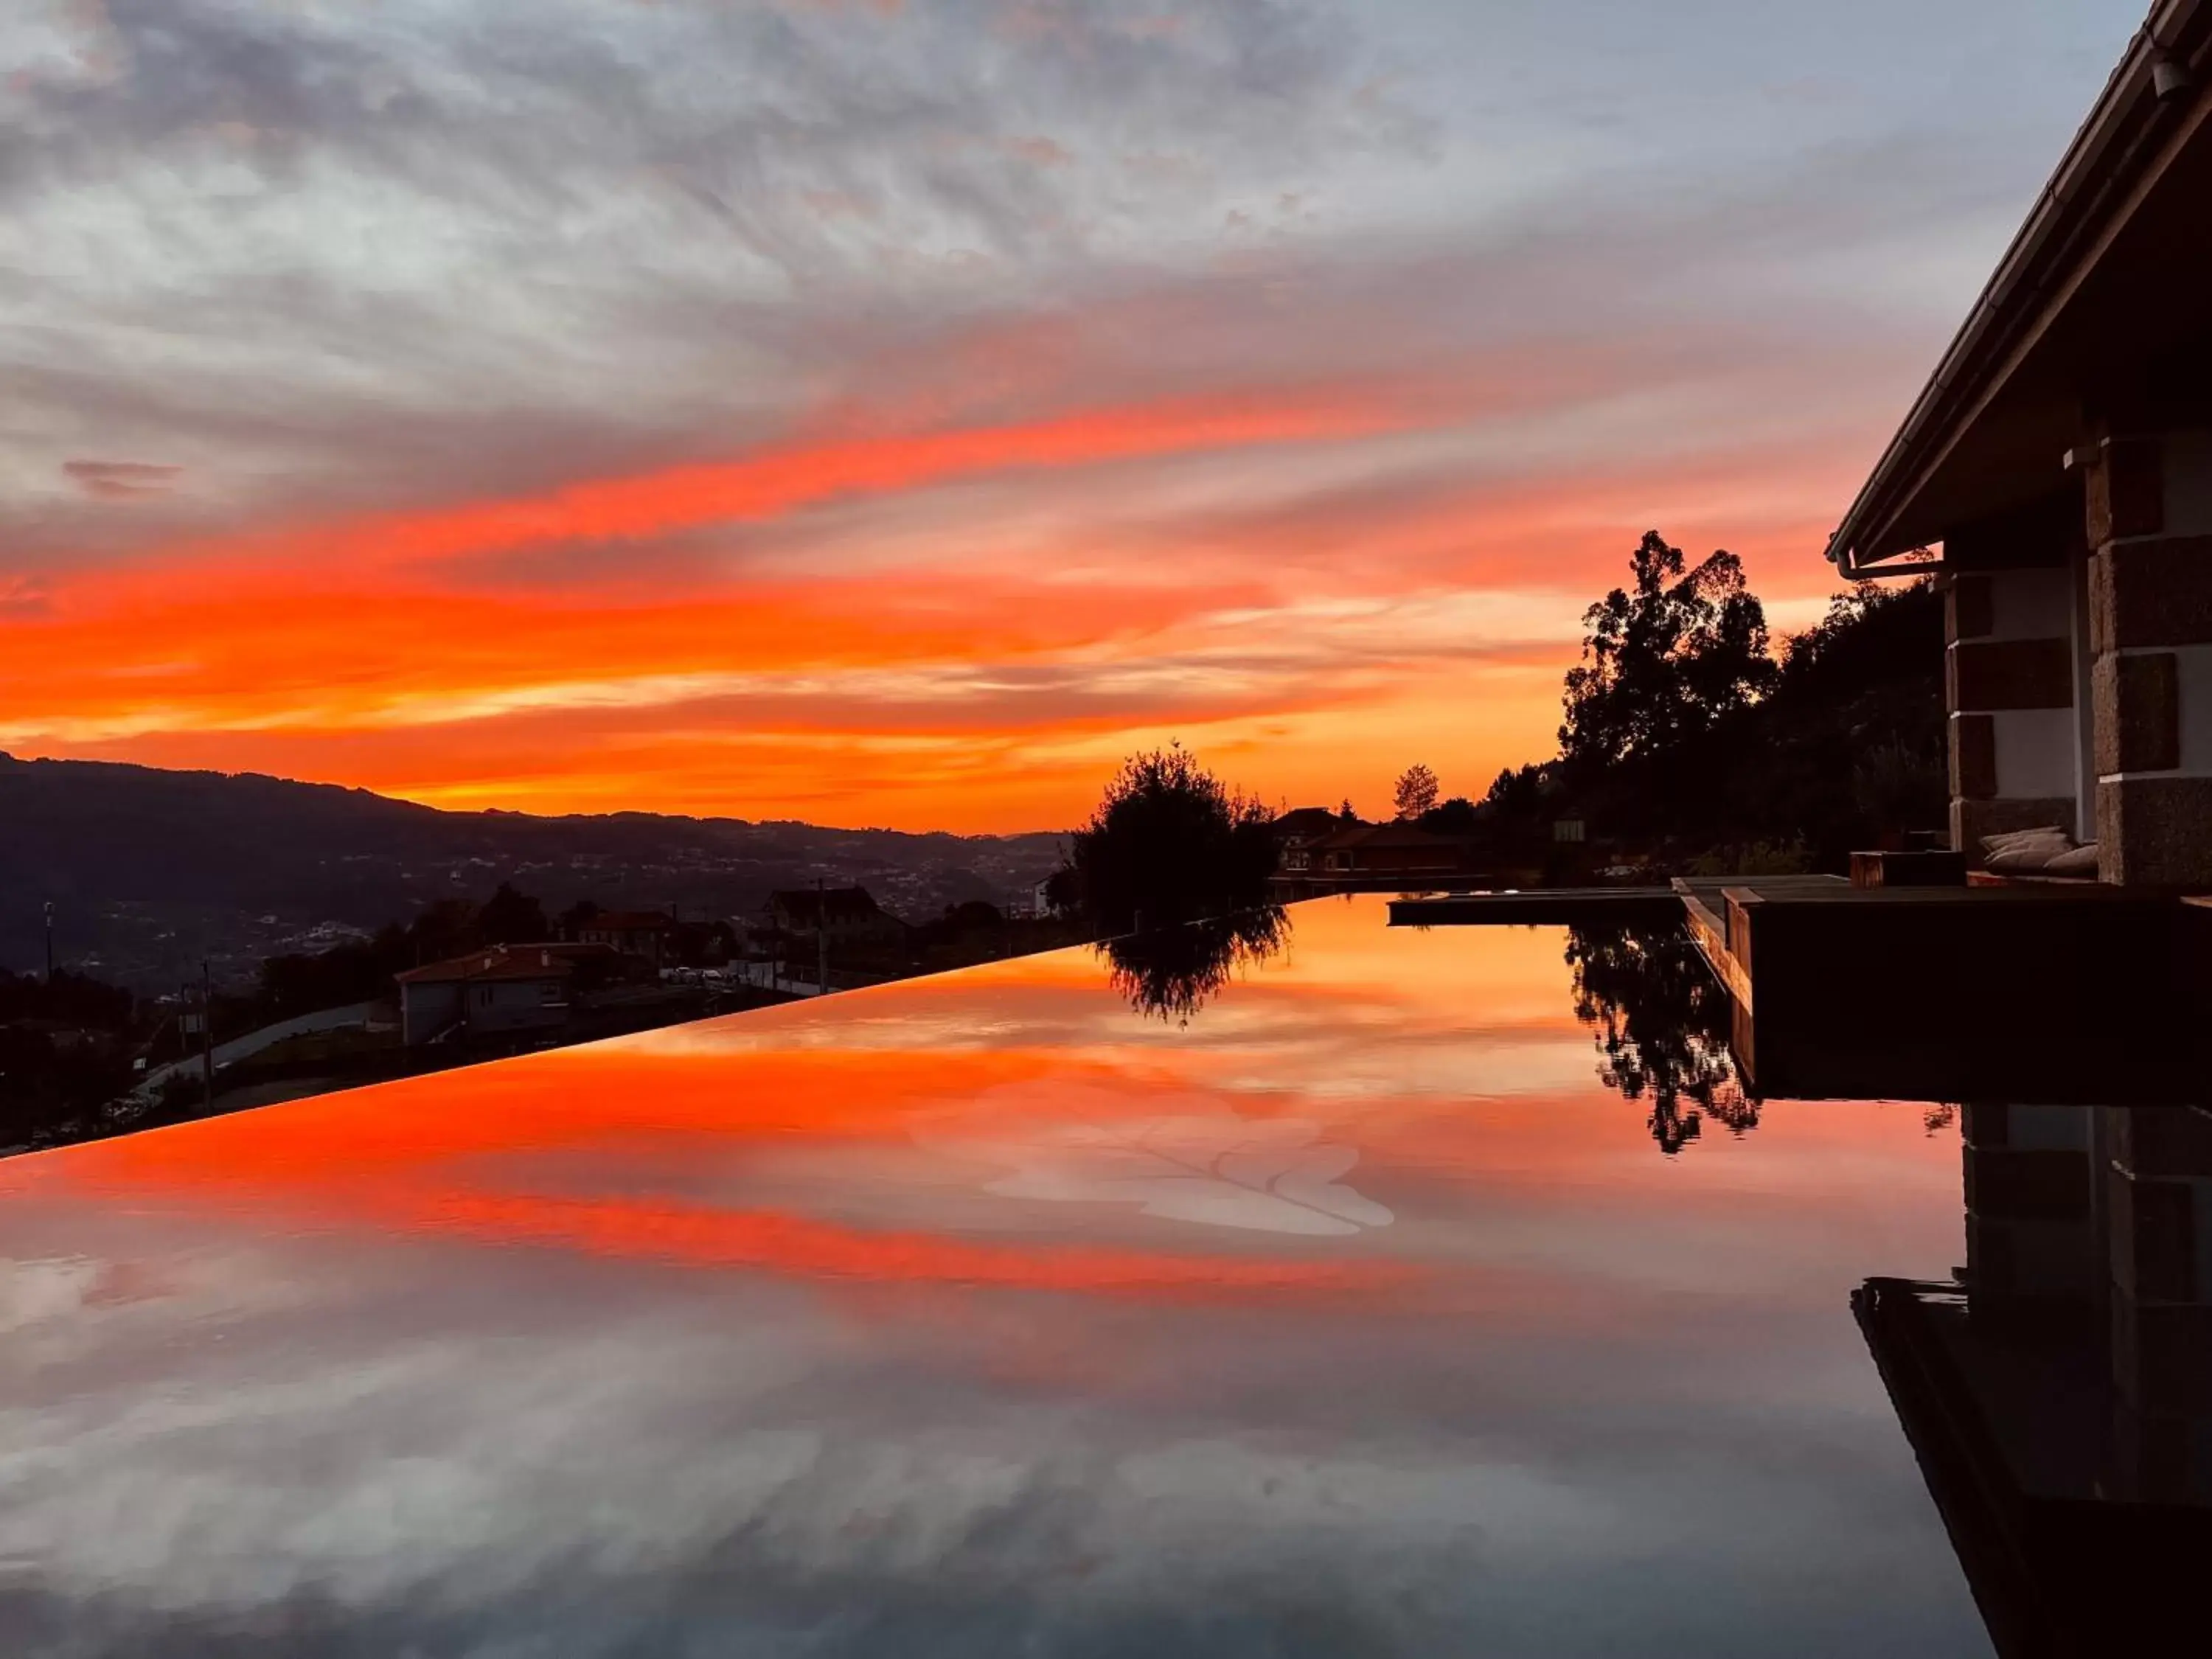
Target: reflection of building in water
{"type": "Point", "coordinates": [2059, 1396]}
{"type": "Point", "coordinates": [1662, 1026]}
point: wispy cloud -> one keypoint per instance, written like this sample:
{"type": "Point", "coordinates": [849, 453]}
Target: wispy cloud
{"type": "Point", "coordinates": [962, 382]}
{"type": "Point", "coordinates": [120, 481]}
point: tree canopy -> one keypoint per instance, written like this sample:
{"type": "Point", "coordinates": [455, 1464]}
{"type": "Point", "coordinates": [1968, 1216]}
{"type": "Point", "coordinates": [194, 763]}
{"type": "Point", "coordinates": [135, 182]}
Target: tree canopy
{"type": "Point", "coordinates": [508, 917]}
{"type": "Point", "coordinates": [1416, 791]}
{"type": "Point", "coordinates": [1667, 660]}
{"type": "Point", "coordinates": [1170, 841]}
{"type": "Point", "coordinates": [1686, 744]}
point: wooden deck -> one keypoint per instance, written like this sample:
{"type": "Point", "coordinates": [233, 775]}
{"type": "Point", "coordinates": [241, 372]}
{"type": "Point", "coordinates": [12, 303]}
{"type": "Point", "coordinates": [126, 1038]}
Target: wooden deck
{"type": "Point", "coordinates": [2033, 992]}
{"type": "Point", "coordinates": [1536, 906]}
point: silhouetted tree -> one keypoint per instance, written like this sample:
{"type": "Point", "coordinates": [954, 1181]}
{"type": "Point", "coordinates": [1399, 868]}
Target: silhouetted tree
{"type": "Point", "coordinates": [64, 1049]}
{"type": "Point", "coordinates": [1063, 891]}
{"type": "Point", "coordinates": [1173, 972]}
{"type": "Point", "coordinates": [511, 918]}
{"type": "Point", "coordinates": [1513, 821]}
{"type": "Point", "coordinates": [959, 920]}
{"type": "Point", "coordinates": [1853, 733]}
{"type": "Point", "coordinates": [1662, 1025]}
{"type": "Point", "coordinates": [1171, 842]}
{"type": "Point", "coordinates": [1666, 661]}
{"type": "Point", "coordinates": [1456, 817]}
{"type": "Point", "coordinates": [1685, 739]}
{"type": "Point", "coordinates": [1345, 814]}
{"type": "Point", "coordinates": [1416, 791]}
{"type": "Point", "coordinates": [446, 927]}
{"type": "Point", "coordinates": [359, 971]}
{"type": "Point", "coordinates": [67, 999]}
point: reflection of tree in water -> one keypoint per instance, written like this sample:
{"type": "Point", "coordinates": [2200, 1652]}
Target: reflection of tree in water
{"type": "Point", "coordinates": [1176, 971]}
{"type": "Point", "coordinates": [1662, 1025]}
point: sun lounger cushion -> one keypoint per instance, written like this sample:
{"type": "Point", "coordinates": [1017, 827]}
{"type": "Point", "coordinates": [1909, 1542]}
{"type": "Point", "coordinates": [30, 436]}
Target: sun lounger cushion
{"type": "Point", "coordinates": [2076, 861]}
{"type": "Point", "coordinates": [2027, 852]}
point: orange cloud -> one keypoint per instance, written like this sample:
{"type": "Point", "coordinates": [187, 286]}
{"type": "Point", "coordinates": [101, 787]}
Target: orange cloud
{"type": "Point", "coordinates": [964, 686]}
{"type": "Point", "coordinates": [700, 1146]}
{"type": "Point", "coordinates": [782, 480]}
{"type": "Point", "coordinates": [483, 1154]}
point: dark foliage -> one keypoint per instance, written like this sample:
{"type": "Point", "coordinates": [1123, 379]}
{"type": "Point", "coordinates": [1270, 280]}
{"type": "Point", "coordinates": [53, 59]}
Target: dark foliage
{"type": "Point", "coordinates": [302, 983]}
{"type": "Point", "coordinates": [1679, 745]}
{"type": "Point", "coordinates": [1456, 817]}
{"type": "Point", "coordinates": [1664, 663]}
{"type": "Point", "coordinates": [64, 1049]}
{"type": "Point", "coordinates": [1171, 843]}
{"type": "Point", "coordinates": [690, 944]}
{"type": "Point", "coordinates": [1063, 891]}
{"type": "Point", "coordinates": [1173, 972]}
{"type": "Point", "coordinates": [511, 918]}
{"type": "Point", "coordinates": [1851, 744]}
{"type": "Point", "coordinates": [974, 931]}
{"type": "Point", "coordinates": [68, 1000]}
{"type": "Point", "coordinates": [1662, 1027]}
{"type": "Point", "coordinates": [1515, 818]}
{"type": "Point", "coordinates": [1415, 793]}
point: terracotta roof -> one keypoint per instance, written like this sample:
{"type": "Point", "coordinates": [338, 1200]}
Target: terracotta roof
{"type": "Point", "coordinates": [502, 963]}
{"type": "Point", "coordinates": [1305, 820]}
{"type": "Point", "coordinates": [1383, 835]}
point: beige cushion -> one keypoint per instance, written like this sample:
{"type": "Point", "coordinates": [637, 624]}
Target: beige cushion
{"type": "Point", "coordinates": [2076, 861]}
{"type": "Point", "coordinates": [2027, 852]}
{"type": "Point", "coordinates": [2012, 838]}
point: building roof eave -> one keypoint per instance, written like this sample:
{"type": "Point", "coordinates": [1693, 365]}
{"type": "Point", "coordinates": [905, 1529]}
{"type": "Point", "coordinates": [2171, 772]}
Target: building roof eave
{"type": "Point", "coordinates": [2114, 147]}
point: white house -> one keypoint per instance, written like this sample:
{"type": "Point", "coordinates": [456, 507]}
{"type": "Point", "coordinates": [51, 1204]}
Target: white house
{"type": "Point", "coordinates": [501, 989]}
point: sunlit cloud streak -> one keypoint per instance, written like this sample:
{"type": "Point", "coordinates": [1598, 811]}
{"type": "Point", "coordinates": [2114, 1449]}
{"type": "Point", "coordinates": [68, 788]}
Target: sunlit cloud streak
{"type": "Point", "coordinates": [895, 413]}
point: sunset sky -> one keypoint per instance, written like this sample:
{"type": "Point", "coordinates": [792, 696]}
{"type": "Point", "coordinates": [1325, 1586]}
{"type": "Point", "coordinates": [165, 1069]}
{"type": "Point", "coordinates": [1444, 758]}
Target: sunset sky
{"type": "Point", "coordinates": [895, 412]}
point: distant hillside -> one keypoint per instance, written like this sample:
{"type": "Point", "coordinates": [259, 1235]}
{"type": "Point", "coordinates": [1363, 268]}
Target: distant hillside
{"type": "Point", "coordinates": [149, 870]}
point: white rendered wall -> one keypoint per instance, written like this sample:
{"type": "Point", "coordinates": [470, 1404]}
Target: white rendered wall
{"type": "Point", "coordinates": [2031, 605]}
{"type": "Point", "coordinates": [2038, 755]}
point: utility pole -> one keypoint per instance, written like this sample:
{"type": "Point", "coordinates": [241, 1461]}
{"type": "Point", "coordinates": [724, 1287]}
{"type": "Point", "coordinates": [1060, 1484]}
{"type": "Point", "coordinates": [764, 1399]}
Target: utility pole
{"type": "Point", "coordinates": [821, 937]}
{"type": "Point", "coordinates": [50, 941]}
{"type": "Point", "coordinates": [207, 1037]}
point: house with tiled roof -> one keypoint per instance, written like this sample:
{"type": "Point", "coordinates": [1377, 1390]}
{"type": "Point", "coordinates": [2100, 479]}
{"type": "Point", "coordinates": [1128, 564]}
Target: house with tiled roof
{"type": "Point", "coordinates": [1297, 832]}
{"type": "Point", "coordinates": [504, 989]}
{"type": "Point", "coordinates": [642, 934]}
{"type": "Point", "coordinates": [1390, 850]}
{"type": "Point", "coordinates": [846, 913]}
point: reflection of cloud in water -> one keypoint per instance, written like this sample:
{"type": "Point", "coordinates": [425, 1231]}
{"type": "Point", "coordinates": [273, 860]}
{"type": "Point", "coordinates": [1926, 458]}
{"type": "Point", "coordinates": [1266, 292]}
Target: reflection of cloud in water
{"type": "Point", "coordinates": [727, 1475]}
{"type": "Point", "coordinates": [416, 1370]}
{"type": "Point", "coordinates": [1206, 1166]}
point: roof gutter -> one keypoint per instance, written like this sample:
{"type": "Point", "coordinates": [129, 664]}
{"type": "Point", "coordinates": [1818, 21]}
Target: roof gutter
{"type": "Point", "coordinates": [2000, 314]}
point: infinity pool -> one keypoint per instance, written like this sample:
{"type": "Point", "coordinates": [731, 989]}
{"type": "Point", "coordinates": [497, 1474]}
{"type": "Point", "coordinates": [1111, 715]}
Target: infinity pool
{"type": "Point", "coordinates": [1347, 1310]}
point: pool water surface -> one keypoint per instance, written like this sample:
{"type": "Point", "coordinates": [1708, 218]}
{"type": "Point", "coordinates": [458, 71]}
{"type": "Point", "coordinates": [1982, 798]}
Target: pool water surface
{"type": "Point", "coordinates": [1411, 1292]}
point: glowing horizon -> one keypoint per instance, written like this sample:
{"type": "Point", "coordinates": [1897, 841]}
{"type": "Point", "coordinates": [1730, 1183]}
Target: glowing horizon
{"type": "Point", "coordinates": [895, 413]}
